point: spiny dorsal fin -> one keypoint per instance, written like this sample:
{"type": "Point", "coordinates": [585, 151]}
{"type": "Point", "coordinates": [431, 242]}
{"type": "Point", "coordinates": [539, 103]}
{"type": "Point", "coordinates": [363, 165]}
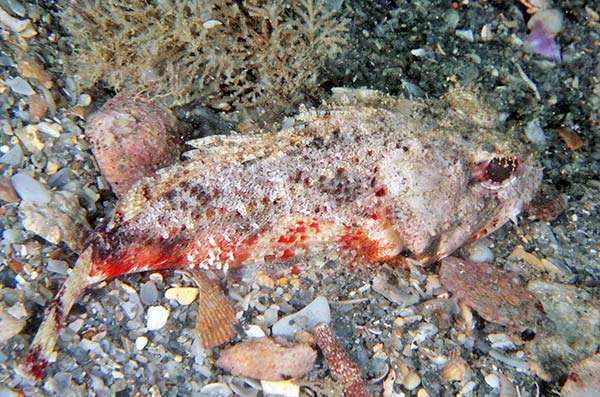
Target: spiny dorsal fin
{"type": "Point", "coordinates": [216, 148]}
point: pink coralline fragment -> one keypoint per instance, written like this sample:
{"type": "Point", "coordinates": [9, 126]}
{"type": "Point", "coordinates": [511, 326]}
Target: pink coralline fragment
{"type": "Point", "coordinates": [541, 41]}
{"type": "Point", "coordinates": [340, 363]}
{"type": "Point", "coordinates": [131, 138]}
{"type": "Point", "coordinates": [266, 359]}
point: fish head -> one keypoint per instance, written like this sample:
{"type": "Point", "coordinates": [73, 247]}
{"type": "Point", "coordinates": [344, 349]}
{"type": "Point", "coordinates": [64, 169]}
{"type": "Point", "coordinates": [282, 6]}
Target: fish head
{"type": "Point", "coordinates": [500, 183]}
{"type": "Point", "coordinates": [447, 189]}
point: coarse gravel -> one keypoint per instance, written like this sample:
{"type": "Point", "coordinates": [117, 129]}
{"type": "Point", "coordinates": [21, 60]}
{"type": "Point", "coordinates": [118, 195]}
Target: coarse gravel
{"type": "Point", "coordinates": [409, 48]}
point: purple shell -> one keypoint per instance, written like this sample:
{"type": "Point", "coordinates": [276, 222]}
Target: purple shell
{"type": "Point", "coordinates": [540, 41]}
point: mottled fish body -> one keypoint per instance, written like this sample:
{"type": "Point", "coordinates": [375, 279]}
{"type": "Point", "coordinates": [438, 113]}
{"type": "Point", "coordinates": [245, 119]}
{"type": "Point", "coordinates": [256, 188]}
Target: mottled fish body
{"type": "Point", "coordinates": [361, 183]}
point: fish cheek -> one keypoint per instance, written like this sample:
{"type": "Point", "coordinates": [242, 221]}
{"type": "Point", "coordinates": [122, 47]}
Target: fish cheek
{"type": "Point", "coordinates": [491, 215]}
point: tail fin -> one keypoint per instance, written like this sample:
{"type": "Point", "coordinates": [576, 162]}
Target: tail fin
{"type": "Point", "coordinates": [42, 347]}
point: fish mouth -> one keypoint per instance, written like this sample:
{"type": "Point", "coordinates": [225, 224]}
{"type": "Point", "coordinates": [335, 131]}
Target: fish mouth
{"type": "Point", "coordinates": [496, 173]}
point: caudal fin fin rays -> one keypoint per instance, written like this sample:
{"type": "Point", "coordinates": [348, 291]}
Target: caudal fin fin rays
{"type": "Point", "coordinates": [43, 344]}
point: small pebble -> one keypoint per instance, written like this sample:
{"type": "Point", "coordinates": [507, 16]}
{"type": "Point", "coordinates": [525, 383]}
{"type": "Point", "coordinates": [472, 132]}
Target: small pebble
{"type": "Point", "coordinates": [215, 390]}
{"type": "Point", "coordinates": [84, 100]}
{"type": "Point", "coordinates": [148, 293]}
{"type": "Point", "coordinates": [455, 370]}
{"type": "Point", "coordinates": [7, 192]}
{"type": "Point", "coordinates": [13, 236]}
{"type": "Point", "coordinates": [156, 277]}
{"type": "Point", "coordinates": [501, 342]}
{"type": "Point", "coordinates": [305, 337]}
{"type": "Point", "coordinates": [38, 106]}
{"type": "Point", "coordinates": [571, 138]}
{"type": "Point", "coordinates": [254, 331]}
{"type": "Point", "coordinates": [5, 61]}
{"type": "Point", "coordinates": [422, 393]}
{"type": "Point", "coordinates": [284, 388]}
{"type": "Point", "coordinates": [486, 32]}
{"type": "Point", "coordinates": [16, 7]}
{"type": "Point", "coordinates": [56, 266]}
{"type": "Point", "coordinates": [52, 129]}
{"type": "Point", "coordinates": [183, 295]}
{"type": "Point", "coordinates": [157, 318]}
{"type": "Point", "coordinates": [211, 23]}
{"type": "Point", "coordinates": [467, 389]}
{"type": "Point", "coordinates": [10, 326]}
{"type": "Point", "coordinates": [264, 280]}
{"type": "Point", "coordinates": [29, 189]}
{"type": "Point", "coordinates": [141, 342]}
{"type": "Point", "coordinates": [29, 138]}
{"type": "Point", "coordinates": [492, 380]}
{"type": "Point", "coordinates": [19, 86]}
{"type": "Point", "coordinates": [76, 325]}
{"type": "Point", "coordinates": [18, 311]}
{"type": "Point", "coordinates": [62, 382]}
{"type": "Point", "coordinates": [552, 19]}
{"type": "Point", "coordinates": [411, 381]}
{"type": "Point", "coordinates": [130, 308]}
{"type": "Point", "coordinates": [465, 34]}
{"type": "Point", "coordinates": [479, 251]}
{"type": "Point", "coordinates": [419, 52]}
{"type": "Point", "coordinates": [451, 19]}
{"type": "Point", "coordinates": [61, 220]}
{"type": "Point", "coordinates": [13, 157]}
{"type": "Point", "coordinates": [270, 315]}
{"type": "Point", "coordinates": [535, 133]}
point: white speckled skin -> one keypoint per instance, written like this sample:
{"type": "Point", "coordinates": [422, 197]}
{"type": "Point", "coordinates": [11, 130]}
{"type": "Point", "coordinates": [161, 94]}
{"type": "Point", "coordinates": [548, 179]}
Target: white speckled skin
{"type": "Point", "coordinates": [391, 180]}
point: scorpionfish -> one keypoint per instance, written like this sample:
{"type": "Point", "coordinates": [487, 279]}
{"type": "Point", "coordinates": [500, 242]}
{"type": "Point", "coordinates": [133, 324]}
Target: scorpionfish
{"type": "Point", "coordinates": [363, 180]}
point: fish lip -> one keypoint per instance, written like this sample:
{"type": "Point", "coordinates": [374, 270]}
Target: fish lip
{"type": "Point", "coordinates": [494, 186]}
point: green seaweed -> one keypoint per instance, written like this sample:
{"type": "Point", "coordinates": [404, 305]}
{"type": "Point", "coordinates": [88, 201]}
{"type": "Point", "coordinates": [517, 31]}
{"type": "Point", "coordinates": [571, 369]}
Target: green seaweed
{"type": "Point", "coordinates": [261, 58]}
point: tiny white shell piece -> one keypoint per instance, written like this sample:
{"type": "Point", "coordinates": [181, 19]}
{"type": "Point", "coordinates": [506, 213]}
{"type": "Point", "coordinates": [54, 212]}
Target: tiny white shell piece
{"type": "Point", "coordinates": [465, 34]}
{"type": "Point", "coordinates": [141, 342]}
{"type": "Point", "coordinates": [486, 32]}
{"type": "Point", "coordinates": [211, 23]}
{"type": "Point", "coordinates": [316, 312]}
{"type": "Point", "coordinates": [254, 331]}
{"type": "Point", "coordinates": [492, 380]}
{"type": "Point", "coordinates": [216, 389]}
{"type": "Point", "coordinates": [157, 317]}
{"type": "Point", "coordinates": [284, 388]}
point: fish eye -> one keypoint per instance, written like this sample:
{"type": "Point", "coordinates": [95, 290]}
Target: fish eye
{"type": "Point", "coordinates": [497, 173]}
{"type": "Point", "coordinates": [500, 169]}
